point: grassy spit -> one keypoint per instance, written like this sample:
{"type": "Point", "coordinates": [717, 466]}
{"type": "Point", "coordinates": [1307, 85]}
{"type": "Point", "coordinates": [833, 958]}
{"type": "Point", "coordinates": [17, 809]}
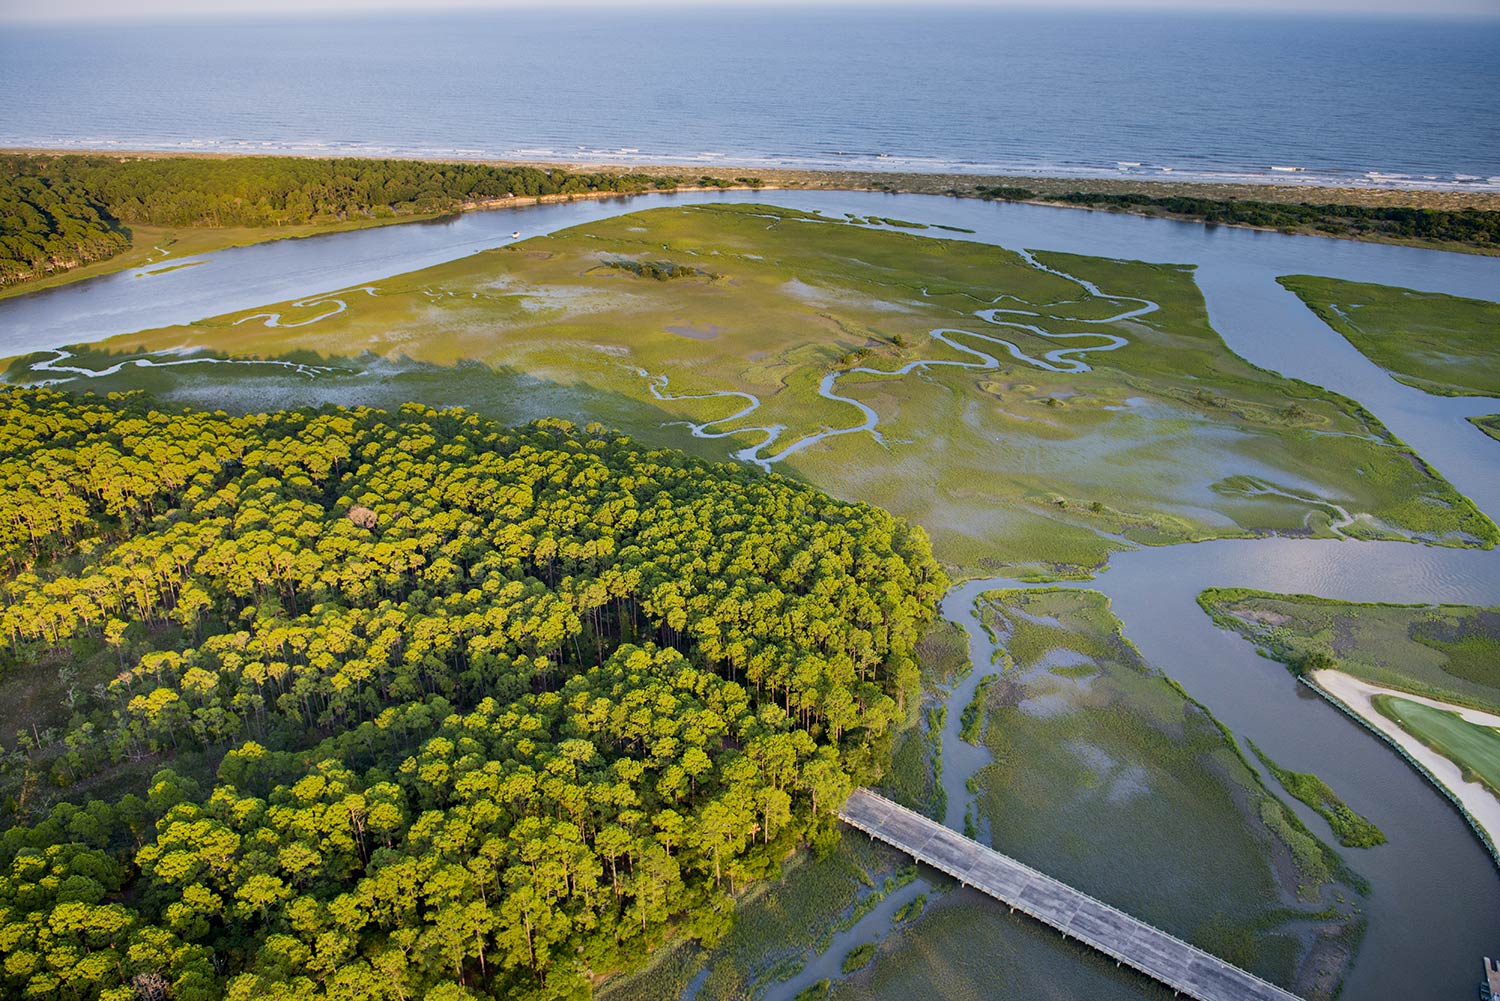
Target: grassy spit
{"type": "Point", "coordinates": [1489, 424]}
{"type": "Point", "coordinates": [1442, 344]}
{"type": "Point", "coordinates": [1352, 830]}
{"type": "Point", "coordinates": [1446, 652]}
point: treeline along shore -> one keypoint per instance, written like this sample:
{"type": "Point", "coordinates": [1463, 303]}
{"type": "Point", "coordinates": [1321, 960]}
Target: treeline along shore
{"type": "Point", "coordinates": [60, 212]}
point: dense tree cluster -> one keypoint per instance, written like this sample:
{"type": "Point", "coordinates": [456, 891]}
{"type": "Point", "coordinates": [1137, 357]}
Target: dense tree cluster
{"type": "Point", "coordinates": [485, 711]}
{"type": "Point", "coordinates": [58, 211]}
{"type": "Point", "coordinates": [52, 224]}
{"type": "Point", "coordinates": [283, 190]}
{"type": "Point", "coordinates": [1474, 227]}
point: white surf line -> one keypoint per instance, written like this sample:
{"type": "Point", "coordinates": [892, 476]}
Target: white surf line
{"type": "Point", "coordinates": [1057, 360]}
{"type": "Point", "coordinates": [51, 365]}
{"type": "Point", "coordinates": [274, 319]}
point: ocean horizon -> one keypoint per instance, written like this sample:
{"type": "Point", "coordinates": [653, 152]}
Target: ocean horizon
{"type": "Point", "coordinates": [1285, 98]}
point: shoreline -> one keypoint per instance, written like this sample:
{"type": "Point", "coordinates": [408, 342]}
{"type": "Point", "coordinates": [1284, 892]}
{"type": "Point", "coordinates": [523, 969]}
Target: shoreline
{"type": "Point", "coordinates": [1356, 697]}
{"type": "Point", "coordinates": [903, 182]}
{"type": "Point", "coordinates": [236, 236]}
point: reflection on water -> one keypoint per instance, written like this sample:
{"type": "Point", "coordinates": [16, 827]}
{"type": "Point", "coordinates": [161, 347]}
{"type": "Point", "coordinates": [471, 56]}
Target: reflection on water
{"type": "Point", "coordinates": [1435, 909]}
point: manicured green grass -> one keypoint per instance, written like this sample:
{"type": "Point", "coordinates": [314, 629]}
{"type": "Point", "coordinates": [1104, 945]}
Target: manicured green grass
{"type": "Point", "coordinates": [1012, 470]}
{"type": "Point", "coordinates": [1438, 343]}
{"type": "Point", "coordinates": [1114, 780]}
{"type": "Point", "coordinates": [1445, 652]}
{"type": "Point", "coordinates": [1352, 830]}
{"type": "Point", "coordinates": [1474, 748]}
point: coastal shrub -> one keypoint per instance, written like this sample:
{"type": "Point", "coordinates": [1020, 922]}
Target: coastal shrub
{"type": "Point", "coordinates": [858, 957]}
{"type": "Point", "coordinates": [1352, 830]}
{"type": "Point", "coordinates": [1474, 227]}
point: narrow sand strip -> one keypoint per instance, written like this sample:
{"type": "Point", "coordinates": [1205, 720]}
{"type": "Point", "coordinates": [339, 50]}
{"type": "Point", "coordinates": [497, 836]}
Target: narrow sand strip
{"type": "Point", "coordinates": [1358, 696]}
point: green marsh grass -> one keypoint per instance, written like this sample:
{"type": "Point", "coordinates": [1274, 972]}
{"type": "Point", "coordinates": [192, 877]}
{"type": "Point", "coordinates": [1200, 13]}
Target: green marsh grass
{"type": "Point", "coordinates": [1446, 652]}
{"type": "Point", "coordinates": [1109, 776]}
{"type": "Point", "coordinates": [1441, 344]}
{"type": "Point", "coordinates": [1352, 830]}
{"type": "Point", "coordinates": [1003, 481]}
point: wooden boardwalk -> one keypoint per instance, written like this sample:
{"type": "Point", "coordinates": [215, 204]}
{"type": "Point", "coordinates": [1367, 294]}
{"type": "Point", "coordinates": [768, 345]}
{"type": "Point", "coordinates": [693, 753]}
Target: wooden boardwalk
{"type": "Point", "coordinates": [1182, 967]}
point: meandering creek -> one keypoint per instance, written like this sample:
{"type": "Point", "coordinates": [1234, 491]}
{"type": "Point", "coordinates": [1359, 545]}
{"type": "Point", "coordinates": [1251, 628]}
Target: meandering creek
{"type": "Point", "coordinates": [1057, 360]}
{"type": "Point", "coordinates": [1435, 907]}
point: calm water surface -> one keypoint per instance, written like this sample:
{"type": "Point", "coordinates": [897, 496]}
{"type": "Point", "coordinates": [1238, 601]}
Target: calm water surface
{"type": "Point", "coordinates": [1152, 94]}
{"type": "Point", "coordinates": [1436, 905]}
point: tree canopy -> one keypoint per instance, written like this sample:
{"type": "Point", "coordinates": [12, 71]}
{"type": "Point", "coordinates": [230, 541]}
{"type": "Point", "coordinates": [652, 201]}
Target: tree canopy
{"type": "Point", "coordinates": [1472, 227]}
{"type": "Point", "coordinates": [430, 707]}
{"type": "Point", "coordinates": [52, 224]}
{"type": "Point", "coordinates": [60, 211]}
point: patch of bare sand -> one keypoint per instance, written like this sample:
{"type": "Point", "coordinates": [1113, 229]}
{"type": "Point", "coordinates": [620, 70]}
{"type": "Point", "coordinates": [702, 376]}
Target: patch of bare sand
{"type": "Point", "coordinates": [1358, 695]}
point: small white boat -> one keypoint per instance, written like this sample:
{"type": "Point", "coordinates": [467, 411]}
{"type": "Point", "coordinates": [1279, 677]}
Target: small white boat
{"type": "Point", "coordinates": [516, 235]}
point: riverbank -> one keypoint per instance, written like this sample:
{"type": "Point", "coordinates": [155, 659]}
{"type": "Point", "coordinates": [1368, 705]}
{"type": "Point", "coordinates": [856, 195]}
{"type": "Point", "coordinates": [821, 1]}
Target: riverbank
{"type": "Point", "coordinates": [1373, 214]}
{"type": "Point", "coordinates": [1434, 907]}
{"type": "Point", "coordinates": [1478, 804]}
{"type": "Point", "coordinates": [159, 245]}
{"type": "Point", "coordinates": [918, 183]}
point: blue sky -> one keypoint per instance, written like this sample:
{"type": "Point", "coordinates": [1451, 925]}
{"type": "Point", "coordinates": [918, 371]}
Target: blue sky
{"type": "Point", "coordinates": [84, 10]}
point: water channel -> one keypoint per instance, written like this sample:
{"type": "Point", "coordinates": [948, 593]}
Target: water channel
{"type": "Point", "coordinates": [1435, 908]}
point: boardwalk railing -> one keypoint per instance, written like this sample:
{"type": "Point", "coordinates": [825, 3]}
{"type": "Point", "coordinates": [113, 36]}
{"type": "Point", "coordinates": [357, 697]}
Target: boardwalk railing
{"type": "Point", "coordinates": [1182, 967]}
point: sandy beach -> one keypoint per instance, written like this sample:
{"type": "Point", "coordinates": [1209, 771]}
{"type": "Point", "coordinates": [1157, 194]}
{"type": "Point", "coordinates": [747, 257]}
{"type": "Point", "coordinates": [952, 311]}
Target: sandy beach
{"type": "Point", "coordinates": [1359, 696]}
{"type": "Point", "coordinates": [935, 184]}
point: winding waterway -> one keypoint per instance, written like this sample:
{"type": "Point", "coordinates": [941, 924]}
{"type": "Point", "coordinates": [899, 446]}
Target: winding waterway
{"type": "Point", "coordinates": [1056, 360]}
{"type": "Point", "coordinates": [1435, 908]}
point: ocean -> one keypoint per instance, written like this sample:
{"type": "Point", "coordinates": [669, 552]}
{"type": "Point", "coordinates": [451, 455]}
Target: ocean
{"type": "Point", "coordinates": [1285, 97]}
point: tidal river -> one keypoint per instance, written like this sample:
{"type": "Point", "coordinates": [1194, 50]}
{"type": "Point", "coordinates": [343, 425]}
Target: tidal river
{"type": "Point", "coordinates": [1435, 906]}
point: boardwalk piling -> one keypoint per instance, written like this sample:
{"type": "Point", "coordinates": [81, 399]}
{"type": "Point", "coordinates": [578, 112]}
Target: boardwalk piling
{"type": "Point", "coordinates": [1182, 967]}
